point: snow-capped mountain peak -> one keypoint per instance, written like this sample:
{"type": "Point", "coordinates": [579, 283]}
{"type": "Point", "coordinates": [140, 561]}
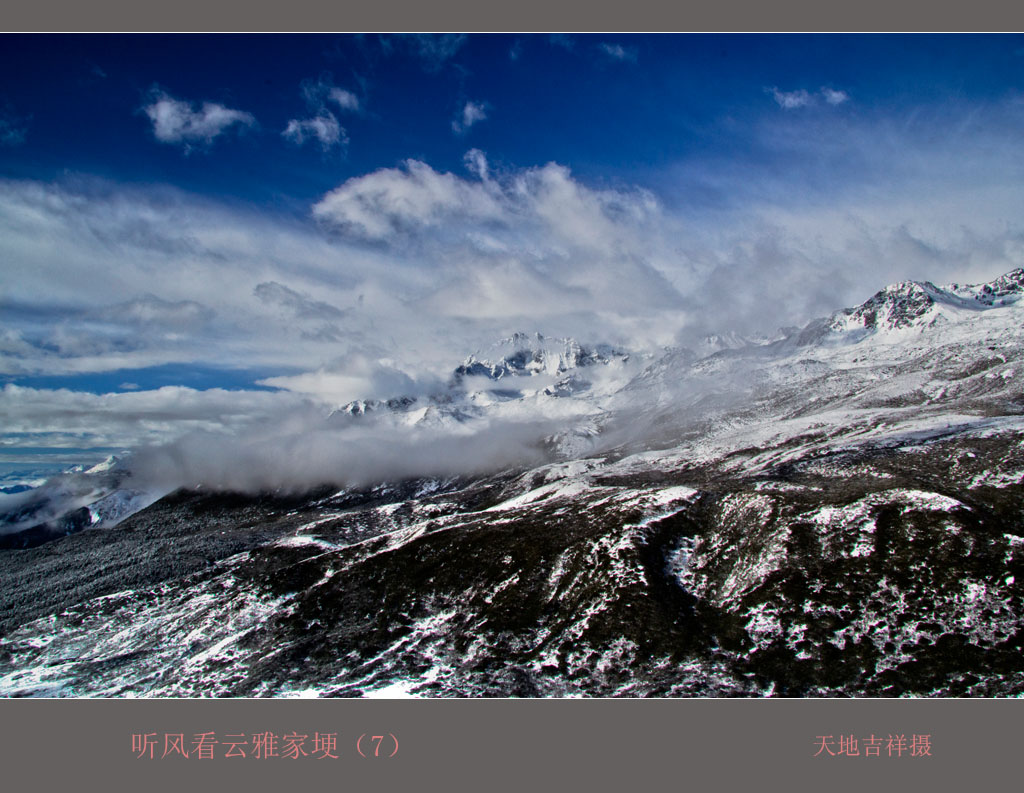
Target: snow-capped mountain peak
{"type": "Point", "coordinates": [915, 305]}
{"type": "Point", "coordinates": [112, 463]}
{"type": "Point", "coordinates": [901, 305]}
{"type": "Point", "coordinates": [524, 355]}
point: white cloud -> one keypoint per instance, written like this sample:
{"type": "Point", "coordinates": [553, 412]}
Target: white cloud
{"type": "Point", "coordinates": [346, 100]}
{"type": "Point", "coordinates": [300, 451]}
{"type": "Point", "coordinates": [353, 377]}
{"type": "Point", "coordinates": [175, 121]}
{"type": "Point", "coordinates": [472, 113]}
{"type": "Point", "coordinates": [834, 97]}
{"type": "Point", "coordinates": [163, 255]}
{"type": "Point", "coordinates": [137, 417]}
{"type": "Point", "coordinates": [318, 94]}
{"type": "Point", "coordinates": [151, 310]}
{"type": "Point", "coordinates": [453, 263]}
{"type": "Point", "coordinates": [324, 128]}
{"type": "Point", "coordinates": [533, 244]}
{"type": "Point", "coordinates": [390, 201]}
{"type": "Point", "coordinates": [421, 265]}
{"type": "Point", "coordinates": [790, 100]}
{"type": "Point", "coordinates": [476, 161]}
{"type": "Point", "coordinates": [541, 213]}
{"type": "Point", "coordinates": [618, 52]}
{"type": "Point", "coordinates": [314, 319]}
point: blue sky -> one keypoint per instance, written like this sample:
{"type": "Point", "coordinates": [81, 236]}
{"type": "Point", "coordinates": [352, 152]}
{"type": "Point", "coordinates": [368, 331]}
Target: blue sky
{"type": "Point", "coordinates": [611, 108]}
{"type": "Point", "coordinates": [195, 230]}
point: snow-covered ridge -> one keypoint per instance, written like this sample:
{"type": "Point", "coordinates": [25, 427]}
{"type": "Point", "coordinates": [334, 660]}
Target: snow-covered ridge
{"type": "Point", "coordinates": [1003, 290]}
{"type": "Point", "coordinates": [524, 355]}
{"type": "Point", "coordinates": [917, 304]}
{"type": "Point", "coordinates": [97, 497]}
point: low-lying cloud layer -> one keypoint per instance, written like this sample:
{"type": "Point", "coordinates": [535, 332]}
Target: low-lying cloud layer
{"type": "Point", "coordinates": [298, 457]}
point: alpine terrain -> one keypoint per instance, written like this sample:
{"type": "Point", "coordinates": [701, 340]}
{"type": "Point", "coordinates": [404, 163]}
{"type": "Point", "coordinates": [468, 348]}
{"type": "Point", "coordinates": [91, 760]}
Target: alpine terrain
{"type": "Point", "coordinates": [833, 511]}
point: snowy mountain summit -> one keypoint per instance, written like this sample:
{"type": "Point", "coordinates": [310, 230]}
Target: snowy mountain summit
{"type": "Point", "coordinates": [917, 304]}
{"type": "Point", "coordinates": [524, 355]}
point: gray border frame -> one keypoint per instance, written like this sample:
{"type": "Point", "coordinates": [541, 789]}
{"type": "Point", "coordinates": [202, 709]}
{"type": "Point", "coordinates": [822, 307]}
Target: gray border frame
{"type": "Point", "coordinates": [523, 16]}
{"type": "Point", "coordinates": [514, 744]}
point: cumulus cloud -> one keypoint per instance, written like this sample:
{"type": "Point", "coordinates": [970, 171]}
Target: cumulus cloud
{"type": "Point", "coordinates": [387, 202]}
{"type": "Point", "coordinates": [834, 97]}
{"type": "Point", "coordinates": [472, 113]}
{"type": "Point", "coordinates": [420, 267]}
{"type": "Point", "coordinates": [535, 203]}
{"type": "Point", "coordinates": [180, 122]}
{"type": "Point", "coordinates": [322, 91]}
{"type": "Point", "coordinates": [323, 128]}
{"type": "Point", "coordinates": [346, 100]}
{"type": "Point", "coordinates": [535, 243]}
{"type": "Point", "coordinates": [790, 100]}
{"type": "Point", "coordinates": [618, 53]}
